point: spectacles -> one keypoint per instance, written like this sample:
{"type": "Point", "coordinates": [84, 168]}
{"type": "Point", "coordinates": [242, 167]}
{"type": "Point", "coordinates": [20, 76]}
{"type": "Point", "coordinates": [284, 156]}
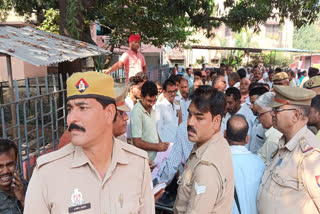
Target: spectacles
{"type": "Point", "coordinates": [172, 92]}
{"type": "Point", "coordinates": [122, 114]}
{"type": "Point", "coordinates": [259, 115]}
{"type": "Point", "coordinates": [277, 110]}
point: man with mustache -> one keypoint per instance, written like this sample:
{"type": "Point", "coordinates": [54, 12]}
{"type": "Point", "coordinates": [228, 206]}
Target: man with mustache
{"type": "Point", "coordinates": [207, 184]}
{"type": "Point", "coordinates": [118, 129]}
{"type": "Point", "coordinates": [291, 182]}
{"type": "Point", "coordinates": [12, 187]}
{"type": "Point", "coordinates": [93, 170]}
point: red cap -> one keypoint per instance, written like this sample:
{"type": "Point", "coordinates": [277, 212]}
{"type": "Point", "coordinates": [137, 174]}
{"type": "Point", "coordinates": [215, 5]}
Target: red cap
{"type": "Point", "coordinates": [134, 37]}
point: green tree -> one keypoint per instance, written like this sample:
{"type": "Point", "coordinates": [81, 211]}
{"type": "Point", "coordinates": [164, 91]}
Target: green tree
{"type": "Point", "coordinates": [51, 22]}
{"type": "Point", "coordinates": [307, 38]}
{"type": "Point", "coordinates": [164, 22]}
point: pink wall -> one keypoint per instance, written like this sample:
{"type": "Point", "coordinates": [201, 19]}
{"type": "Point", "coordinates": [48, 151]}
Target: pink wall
{"type": "Point", "coordinates": [314, 60]}
{"type": "Point", "coordinates": [20, 69]}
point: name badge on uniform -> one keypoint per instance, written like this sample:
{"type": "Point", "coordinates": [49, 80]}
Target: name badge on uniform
{"type": "Point", "coordinates": [77, 202]}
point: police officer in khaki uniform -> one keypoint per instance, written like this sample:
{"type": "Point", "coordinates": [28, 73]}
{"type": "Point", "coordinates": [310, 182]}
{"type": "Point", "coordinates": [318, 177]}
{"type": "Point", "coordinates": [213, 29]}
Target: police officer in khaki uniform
{"type": "Point", "coordinates": [291, 183]}
{"type": "Point", "coordinates": [314, 84]}
{"type": "Point", "coordinates": [96, 173]}
{"type": "Point", "coordinates": [207, 184]}
{"type": "Point", "coordinates": [281, 78]}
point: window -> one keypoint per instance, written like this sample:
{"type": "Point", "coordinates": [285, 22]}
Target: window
{"type": "Point", "coordinates": [273, 31]}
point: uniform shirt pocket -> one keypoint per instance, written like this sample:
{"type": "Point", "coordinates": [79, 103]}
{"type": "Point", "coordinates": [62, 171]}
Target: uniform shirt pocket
{"type": "Point", "coordinates": [128, 207]}
{"type": "Point", "coordinates": [283, 179]}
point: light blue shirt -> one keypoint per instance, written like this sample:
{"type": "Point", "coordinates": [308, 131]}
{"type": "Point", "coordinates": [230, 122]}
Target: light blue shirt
{"type": "Point", "coordinates": [189, 78]}
{"type": "Point", "coordinates": [178, 157]}
{"type": "Point", "coordinates": [248, 170]}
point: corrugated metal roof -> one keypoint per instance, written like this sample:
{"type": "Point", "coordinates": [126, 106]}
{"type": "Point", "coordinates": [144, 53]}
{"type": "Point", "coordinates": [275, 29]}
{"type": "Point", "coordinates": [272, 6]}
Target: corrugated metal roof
{"type": "Point", "coordinates": [253, 49]}
{"type": "Point", "coordinates": [41, 48]}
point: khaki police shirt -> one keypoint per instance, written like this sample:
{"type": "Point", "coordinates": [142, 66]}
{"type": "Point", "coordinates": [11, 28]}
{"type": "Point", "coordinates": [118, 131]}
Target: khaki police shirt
{"type": "Point", "coordinates": [66, 178]}
{"type": "Point", "coordinates": [291, 183]}
{"type": "Point", "coordinates": [207, 184]}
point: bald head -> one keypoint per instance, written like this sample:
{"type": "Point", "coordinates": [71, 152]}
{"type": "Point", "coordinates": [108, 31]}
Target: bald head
{"type": "Point", "coordinates": [237, 130]}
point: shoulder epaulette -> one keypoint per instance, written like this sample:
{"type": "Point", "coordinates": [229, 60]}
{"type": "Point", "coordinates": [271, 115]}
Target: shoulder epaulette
{"type": "Point", "coordinates": [305, 147]}
{"type": "Point", "coordinates": [47, 158]}
{"type": "Point", "coordinates": [132, 149]}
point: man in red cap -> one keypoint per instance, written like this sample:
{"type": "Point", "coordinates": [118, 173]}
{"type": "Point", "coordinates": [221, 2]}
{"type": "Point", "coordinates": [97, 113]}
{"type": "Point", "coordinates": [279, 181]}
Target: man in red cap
{"type": "Point", "coordinates": [132, 60]}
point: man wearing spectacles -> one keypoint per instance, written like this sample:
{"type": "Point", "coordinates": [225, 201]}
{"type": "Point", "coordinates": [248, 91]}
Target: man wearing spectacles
{"type": "Point", "coordinates": [257, 137]}
{"type": "Point", "coordinates": [264, 115]}
{"type": "Point", "coordinates": [291, 182]}
{"type": "Point", "coordinates": [167, 112]}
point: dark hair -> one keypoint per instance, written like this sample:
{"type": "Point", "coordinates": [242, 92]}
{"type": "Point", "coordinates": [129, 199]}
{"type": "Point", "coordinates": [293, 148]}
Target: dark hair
{"type": "Point", "coordinates": [135, 80]}
{"type": "Point", "coordinates": [253, 85]}
{"type": "Point", "coordinates": [278, 70]}
{"type": "Point", "coordinates": [175, 78]}
{"type": "Point", "coordinates": [234, 77]}
{"type": "Point", "coordinates": [234, 92]}
{"type": "Point", "coordinates": [168, 82]}
{"type": "Point", "coordinates": [6, 145]}
{"type": "Point", "coordinates": [206, 99]}
{"type": "Point", "coordinates": [197, 73]}
{"type": "Point", "coordinates": [105, 103]}
{"type": "Point", "coordinates": [292, 73]}
{"type": "Point", "coordinates": [256, 66]}
{"type": "Point", "coordinates": [212, 73]}
{"type": "Point", "coordinates": [187, 69]}
{"type": "Point", "coordinates": [315, 103]}
{"type": "Point", "coordinates": [220, 72]}
{"type": "Point", "coordinates": [313, 72]}
{"type": "Point", "coordinates": [258, 91]}
{"type": "Point", "coordinates": [236, 133]}
{"type": "Point", "coordinates": [143, 75]}
{"type": "Point", "coordinates": [149, 88]}
{"type": "Point", "coordinates": [242, 73]}
{"type": "Point", "coordinates": [175, 65]}
{"type": "Point", "coordinates": [271, 71]}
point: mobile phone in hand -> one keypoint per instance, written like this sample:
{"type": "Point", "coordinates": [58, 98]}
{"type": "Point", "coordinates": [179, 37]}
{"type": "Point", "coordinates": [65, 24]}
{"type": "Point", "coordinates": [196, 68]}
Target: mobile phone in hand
{"type": "Point", "coordinates": [13, 176]}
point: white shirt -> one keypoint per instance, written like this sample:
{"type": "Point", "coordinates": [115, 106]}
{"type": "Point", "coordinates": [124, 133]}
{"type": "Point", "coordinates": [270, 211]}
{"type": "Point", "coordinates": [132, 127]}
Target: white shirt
{"type": "Point", "coordinates": [130, 104]}
{"type": "Point", "coordinates": [166, 119]}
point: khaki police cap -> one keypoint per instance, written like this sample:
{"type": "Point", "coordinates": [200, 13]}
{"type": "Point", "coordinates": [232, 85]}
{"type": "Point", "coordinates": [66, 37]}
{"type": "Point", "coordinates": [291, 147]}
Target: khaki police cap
{"type": "Point", "coordinates": [121, 91]}
{"type": "Point", "coordinates": [90, 85]}
{"type": "Point", "coordinates": [314, 82]}
{"type": "Point", "coordinates": [280, 76]}
{"type": "Point", "coordinates": [287, 95]}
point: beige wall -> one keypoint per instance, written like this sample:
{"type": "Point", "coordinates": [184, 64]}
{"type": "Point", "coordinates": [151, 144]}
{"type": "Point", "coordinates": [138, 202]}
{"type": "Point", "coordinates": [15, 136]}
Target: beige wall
{"type": "Point", "coordinates": [20, 69]}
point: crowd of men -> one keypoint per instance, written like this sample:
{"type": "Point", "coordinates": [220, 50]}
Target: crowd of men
{"type": "Point", "coordinates": [222, 140]}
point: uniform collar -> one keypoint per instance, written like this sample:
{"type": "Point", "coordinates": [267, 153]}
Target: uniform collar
{"type": "Point", "coordinates": [118, 155]}
{"type": "Point", "coordinates": [198, 151]}
{"type": "Point", "coordinates": [293, 142]}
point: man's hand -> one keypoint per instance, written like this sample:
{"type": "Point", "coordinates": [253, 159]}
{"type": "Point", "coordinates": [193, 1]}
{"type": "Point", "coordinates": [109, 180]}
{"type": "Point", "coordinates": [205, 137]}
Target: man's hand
{"type": "Point", "coordinates": [107, 71]}
{"type": "Point", "coordinates": [158, 195]}
{"type": "Point", "coordinates": [18, 188]}
{"type": "Point", "coordinates": [163, 146]}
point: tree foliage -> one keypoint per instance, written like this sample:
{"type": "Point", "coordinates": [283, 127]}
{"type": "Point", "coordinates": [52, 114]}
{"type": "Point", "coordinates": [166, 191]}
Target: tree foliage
{"type": "Point", "coordinates": [307, 37]}
{"type": "Point", "coordinates": [51, 22]}
{"type": "Point", "coordinates": [168, 22]}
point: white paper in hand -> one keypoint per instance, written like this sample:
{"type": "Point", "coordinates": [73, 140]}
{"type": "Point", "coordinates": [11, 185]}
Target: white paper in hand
{"type": "Point", "coordinates": [158, 187]}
